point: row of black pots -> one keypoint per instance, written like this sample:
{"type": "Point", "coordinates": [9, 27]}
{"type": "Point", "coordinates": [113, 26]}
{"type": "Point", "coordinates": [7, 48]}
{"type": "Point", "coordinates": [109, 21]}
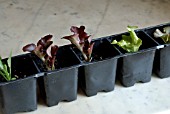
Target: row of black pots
{"type": "Point", "coordinates": [108, 62]}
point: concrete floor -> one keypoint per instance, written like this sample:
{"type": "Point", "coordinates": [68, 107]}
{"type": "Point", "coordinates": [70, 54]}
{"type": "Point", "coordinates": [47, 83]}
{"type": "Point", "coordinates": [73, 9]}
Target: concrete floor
{"type": "Point", "coordinates": [25, 21]}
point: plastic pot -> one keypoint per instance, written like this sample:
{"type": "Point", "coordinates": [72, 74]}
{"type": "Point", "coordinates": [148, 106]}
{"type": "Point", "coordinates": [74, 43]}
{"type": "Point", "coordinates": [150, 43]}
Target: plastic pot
{"type": "Point", "coordinates": [19, 95]}
{"type": "Point", "coordinates": [99, 74]}
{"type": "Point", "coordinates": [60, 84]}
{"type": "Point", "coordinates": [136, 67]}
{"type": "Point", "coordinates": [161, 62]}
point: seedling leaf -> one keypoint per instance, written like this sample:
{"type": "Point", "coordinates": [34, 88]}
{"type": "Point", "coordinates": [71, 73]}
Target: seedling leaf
{"type": "Point", "coordinates": [44, 50]}
{"type": "Point", "coordinates": [129, 43]}
{"type": "Point", "coordinates": [165, 35]}
{"type": "Point", "coordinates": [9, 63]}
{"type": "Point", "coordinates": [5, 69]}
{"type": "Point", "coordinates": [81, 40]}
{"type": "Point", "coordinates": [1, 64]}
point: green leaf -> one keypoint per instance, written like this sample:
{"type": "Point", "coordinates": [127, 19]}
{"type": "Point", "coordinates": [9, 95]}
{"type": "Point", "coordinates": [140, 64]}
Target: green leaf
{"type": "Point", "coordinates": [129, 43]}
{"type": "Point", "coordinates": [131, 28]}
{"type": "Point", "coordinates": [134, 38]}
{"type": "Point", "coordinates": [3, 75]}
{"type": "Point", "coordinates": [9, 63]}
{"type": "Point", "coordinates": [114, 42]}
{"type": "Point", "coordinates": [165, 35]}
{"type": "Point", "coordinates": [6, 72]}
{"type": "Point", "coordinates": [5, 69]}
{"type": "Point", "coordinates": [1, 63]}
{"type": "Point", "coordinates": [167, 30]}
{"type": "Point", "coordinates": [13, 78]}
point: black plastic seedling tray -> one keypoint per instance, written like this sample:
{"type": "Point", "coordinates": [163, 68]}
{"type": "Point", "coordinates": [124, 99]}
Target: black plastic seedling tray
{"type": "Point", "coordinates": [108, 62]}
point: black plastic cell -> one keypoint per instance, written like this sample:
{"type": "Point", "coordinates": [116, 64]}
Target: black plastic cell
{"type": "Point", "coordinates": [136, 67]}
{"type": "Point", "coordinates": [60, 84]}
{"type": "Point", "coordinates": [161, 61]}
{"type": "Point", "coordinates": [19, 95]}
{"type": "Point", "coordinates": [151, 30]}
{"type": "Point", "coordinates": [99, 74]}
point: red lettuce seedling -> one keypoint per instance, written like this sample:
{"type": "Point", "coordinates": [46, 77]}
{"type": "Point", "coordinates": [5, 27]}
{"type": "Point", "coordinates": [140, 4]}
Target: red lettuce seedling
{"type": "Point", "coordinates": [82, 41]}
{"type": "Point", "coordinates": [44, 50]}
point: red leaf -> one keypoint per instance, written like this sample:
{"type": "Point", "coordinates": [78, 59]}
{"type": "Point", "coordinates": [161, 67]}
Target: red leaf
{"type": "Point", "coordinates": [82, 28]}
{"type": "Point", "coordinates": [39, 48]}
{"type": "Point", "coordinates": [89, 38]}
{"type": "Point", "coordinates": [43, 49]}
{"type": "Point", "coordinates": [51, 63]}
{"type": "Point", "coordinates": [29, 47]}
{"type": "Point", "coordinates": [82, 35]}
{"type": "Point", "coordinates": [48, 52]}
{"type": "Point", "coordinates": [90, 49]}
{"type": "Point", "coordinates": [74, 40]}
{"type": "Point", "coordinates": [69, 37]}
{"type": "Point", "coordinates": [80, 31]}
{"type": "Point", "coordinates": [48, 44]}
{"type": "Point", "coordinates": [74, 29]}
{"type": "Point", "coordinates": [54, 50]}
{"type": "Point", "coordinates": [44, 40]}
{"type": "Point", "coordinates": [50, 56]}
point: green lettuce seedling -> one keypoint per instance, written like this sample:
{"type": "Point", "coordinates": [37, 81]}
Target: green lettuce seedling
{"type": "Point", "coordinates": [5, 69]}
{"type": "Point", "coordinates": [165, 35]}
{"type": "Point", "coordinates": [129, 43]}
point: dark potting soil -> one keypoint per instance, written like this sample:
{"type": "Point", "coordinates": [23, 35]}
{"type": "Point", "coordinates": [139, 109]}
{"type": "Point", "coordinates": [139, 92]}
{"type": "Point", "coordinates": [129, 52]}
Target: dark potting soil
{"type": "Point", "coordinates": [102, 50]}
{"type": "Point", "coordinates": [94, 56]}
{"type": "Point", "coordinates": [64, 58]}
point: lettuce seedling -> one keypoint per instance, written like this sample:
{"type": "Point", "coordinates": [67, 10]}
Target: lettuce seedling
{"type": "Point", "coordinates": [5, 69]}
{"type": "Point", "coordinates": [82, 41]}
{"type": "Point", "coordinates": [165, 35]}
{"type": "Point", "coordinates": [129, 43]}
{"type": "Point", "coordinates": [44, 50]}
